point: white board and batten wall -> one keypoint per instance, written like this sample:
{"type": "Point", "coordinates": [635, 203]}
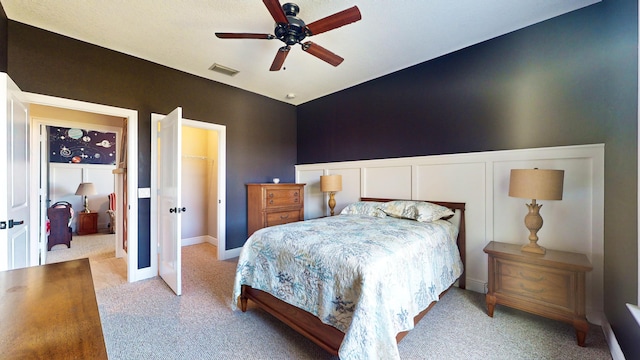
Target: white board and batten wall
{"type": "Point", "coordinates": [481, 180]}
{"type": "Point", "coordinates": [63, 183]}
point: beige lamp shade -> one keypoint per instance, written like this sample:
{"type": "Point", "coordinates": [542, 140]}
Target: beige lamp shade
{"type": "Point", "coordinates": [86, 189]}
{"type": "Point", "coordinates": [536, 184]}
{"type": "Point", "coordinates": [330, 183]}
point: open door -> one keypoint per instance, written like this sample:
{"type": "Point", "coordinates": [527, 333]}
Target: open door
{"type": "Point", "coordinates": [169, 200]}
{"type": "Point", "coordinates": [15, 251]}
{"type": "Point", "coordinates": [44, 190]}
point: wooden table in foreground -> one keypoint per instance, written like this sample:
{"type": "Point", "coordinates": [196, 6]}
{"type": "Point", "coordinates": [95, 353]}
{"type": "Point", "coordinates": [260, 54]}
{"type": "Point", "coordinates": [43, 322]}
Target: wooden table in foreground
{"type": "Point", "coordinates": [50, 312]}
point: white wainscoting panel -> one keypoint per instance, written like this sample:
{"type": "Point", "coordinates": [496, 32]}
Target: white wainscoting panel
{"type": "Point", "coordinates": [313, 197]}
{"type": "Point", "coordinates": [390, 182]}
{"type": "Point", "coordinates": [481, 180]}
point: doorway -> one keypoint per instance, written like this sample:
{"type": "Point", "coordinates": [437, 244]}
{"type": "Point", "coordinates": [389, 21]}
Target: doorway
{"type": "Point", "coordinates": [79, 147]}
{"type": "Point", "coordinates": [200, 162]}
{"type": "Point", "coordinates": [127, 219]}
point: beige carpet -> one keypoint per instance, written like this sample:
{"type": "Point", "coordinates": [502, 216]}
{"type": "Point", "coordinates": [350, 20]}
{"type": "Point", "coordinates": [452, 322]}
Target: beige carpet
{"type": "Point", "coordinates": [95, 247]}
{"type": "Point", "coordinates": [145, 320]}
{"type": "Point", "coordinates": [100, 249]}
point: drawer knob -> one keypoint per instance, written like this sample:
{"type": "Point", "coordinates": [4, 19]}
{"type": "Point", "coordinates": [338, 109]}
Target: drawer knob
{"type": "Point", "coordinates": [530, 278]}
{"type": "Point", "coordinates": [270, 195]}
{"type": "Point", "coordinates": [295, 193]}
{"type": "Point", "coordinates": [271, 201]}
{"type": "Point", "coordinates": [296, 200]}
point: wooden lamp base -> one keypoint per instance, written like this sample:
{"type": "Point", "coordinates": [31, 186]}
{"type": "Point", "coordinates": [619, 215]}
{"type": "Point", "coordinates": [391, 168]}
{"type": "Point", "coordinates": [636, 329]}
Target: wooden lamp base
{"type": "Point", "coordinates": [533, 222]}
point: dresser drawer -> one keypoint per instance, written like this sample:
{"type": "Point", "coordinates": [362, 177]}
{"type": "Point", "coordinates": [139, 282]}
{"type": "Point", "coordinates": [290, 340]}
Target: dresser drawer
{"type": "Point", "coordinates": [283, 217]}
{"type": "Point", "coordinates": [548, 285]}
{"type": "Point", "coordinates": [282, 197]}
{"type": "Point", "coordinates": [273, 204]}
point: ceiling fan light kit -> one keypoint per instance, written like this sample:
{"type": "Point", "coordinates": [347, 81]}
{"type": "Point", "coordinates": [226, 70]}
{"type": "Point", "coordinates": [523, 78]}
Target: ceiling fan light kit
{"type": "Point", "coordinates": [292, 30]}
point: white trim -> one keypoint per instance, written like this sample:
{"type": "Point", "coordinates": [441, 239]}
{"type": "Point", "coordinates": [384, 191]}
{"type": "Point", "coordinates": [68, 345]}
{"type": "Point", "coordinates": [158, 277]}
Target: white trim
{"type": "Point", "coordinates": [133, 273]}
{"type": "Point", "coordinates": [610, 337]}
{"type": "Point", "coordinates": [200, 240]}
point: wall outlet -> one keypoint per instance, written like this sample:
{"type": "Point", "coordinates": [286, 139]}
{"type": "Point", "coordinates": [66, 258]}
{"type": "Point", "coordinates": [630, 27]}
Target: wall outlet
{"type": "Point", "coordinates": [144, 193]}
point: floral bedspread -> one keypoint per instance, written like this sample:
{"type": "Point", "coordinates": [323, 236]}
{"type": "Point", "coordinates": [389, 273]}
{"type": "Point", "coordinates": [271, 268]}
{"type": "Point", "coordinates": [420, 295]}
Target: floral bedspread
{"type": "Point", "coordinates": [366, 276]}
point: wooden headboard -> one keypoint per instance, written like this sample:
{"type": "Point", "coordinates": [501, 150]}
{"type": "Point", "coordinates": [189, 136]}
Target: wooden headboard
{"type": "Point", "coordinates": [462, 235]}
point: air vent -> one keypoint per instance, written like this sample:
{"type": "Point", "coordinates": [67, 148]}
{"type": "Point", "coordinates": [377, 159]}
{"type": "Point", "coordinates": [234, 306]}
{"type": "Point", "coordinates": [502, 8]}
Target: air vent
{"type": "Point", "coordinates": [223, 70]}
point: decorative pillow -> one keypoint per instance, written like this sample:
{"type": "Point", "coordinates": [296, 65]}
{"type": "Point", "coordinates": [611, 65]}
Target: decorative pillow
{"type": "Point", "coordinates": [370, 208]}
{"type": "Point", "coordinates": [415, 210]}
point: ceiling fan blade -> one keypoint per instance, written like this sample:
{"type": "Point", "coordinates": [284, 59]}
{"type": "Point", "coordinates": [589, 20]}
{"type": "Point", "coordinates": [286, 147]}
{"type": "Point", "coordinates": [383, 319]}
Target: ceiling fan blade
{"type": "Point", "coordinates": [244, 36]}
{"type": "Point", "coordinates": [322, 53]}
{"type": "Point", "coordinates": [336, 20]}
{"type": "Point", "coordinates": [276, 11]}
{"type": "Point", "coordinates": [279, 59]}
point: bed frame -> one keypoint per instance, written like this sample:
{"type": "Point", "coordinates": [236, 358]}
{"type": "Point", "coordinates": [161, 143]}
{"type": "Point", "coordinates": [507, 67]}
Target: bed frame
{"type": "Point", "coordinates": [326, 336]}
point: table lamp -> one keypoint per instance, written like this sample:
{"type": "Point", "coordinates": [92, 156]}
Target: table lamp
{"type": "Point", "coordinates": [535, 184]}
{"type": "Point", "coordinates": [86, 189]}
{"type": "Point", "coordinates": [331, 184]}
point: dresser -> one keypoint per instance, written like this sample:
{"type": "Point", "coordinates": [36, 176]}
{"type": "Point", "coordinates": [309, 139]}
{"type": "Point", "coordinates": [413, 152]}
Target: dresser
{"type": "Point", "coordinates": [87, 223]}
{"type": "Point", "coordinates": [551, 285]}
{"type": "Point", "coordinates": [273, 204]}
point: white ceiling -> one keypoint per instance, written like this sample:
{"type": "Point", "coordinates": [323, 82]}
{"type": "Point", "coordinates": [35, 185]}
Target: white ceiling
{"type": "Point", "coordinates": [392, 35]}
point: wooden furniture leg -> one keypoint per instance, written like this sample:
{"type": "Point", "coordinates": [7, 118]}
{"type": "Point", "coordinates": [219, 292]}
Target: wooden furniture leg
{"type": "Point", "coordinates": [582, 328]}
{"type": "Point", "coordinates": [491, 304]}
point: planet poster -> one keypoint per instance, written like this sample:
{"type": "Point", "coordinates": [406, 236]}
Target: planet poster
{"type": "Point", "coordinates": [80, 146]}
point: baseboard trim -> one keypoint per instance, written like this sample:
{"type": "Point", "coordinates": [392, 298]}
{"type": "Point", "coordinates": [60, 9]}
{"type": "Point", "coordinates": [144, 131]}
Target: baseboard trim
{"type": "Point", "coordinates": [610, 337]}
{"type": "Point", "coordinates": [232, 253]}
{"type": "Point", "coordinates": [199, 240]}
{"type": "Point", "coordinates": [476, 285]}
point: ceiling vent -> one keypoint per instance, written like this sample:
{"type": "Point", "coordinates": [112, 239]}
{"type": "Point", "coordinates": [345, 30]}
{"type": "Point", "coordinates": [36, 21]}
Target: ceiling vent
{"type": "Point", "coordinates": [223, 70]}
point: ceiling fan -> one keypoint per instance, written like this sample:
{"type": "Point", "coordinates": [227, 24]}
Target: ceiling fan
{"type": "Point", "coordinates": [292, 30]}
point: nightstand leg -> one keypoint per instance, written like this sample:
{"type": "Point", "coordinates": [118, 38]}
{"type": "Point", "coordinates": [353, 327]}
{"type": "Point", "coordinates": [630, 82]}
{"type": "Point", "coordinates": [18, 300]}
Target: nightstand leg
{"type": "Point", "coordinates": [582, 328]}
{"type": "Point", "coordinates": [491, 304]}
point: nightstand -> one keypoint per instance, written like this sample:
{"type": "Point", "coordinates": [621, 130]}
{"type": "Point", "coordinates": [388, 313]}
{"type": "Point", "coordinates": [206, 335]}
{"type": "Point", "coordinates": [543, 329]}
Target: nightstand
{"type": "Point", "coordinates": [550, 285]}
{"type": "Point", "coordinates": [87, 223]}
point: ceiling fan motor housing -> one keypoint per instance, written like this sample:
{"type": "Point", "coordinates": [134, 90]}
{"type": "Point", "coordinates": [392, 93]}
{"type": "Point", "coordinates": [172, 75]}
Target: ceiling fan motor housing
{"type": "Point", "coordinates": [294, 31]}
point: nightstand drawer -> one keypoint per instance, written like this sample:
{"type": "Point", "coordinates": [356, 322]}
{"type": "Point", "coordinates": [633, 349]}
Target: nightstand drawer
{"type": "Point", "coordinates": [283, 217]}
{"type": "Point", "coordinates": [534, 282]}
{"type": "Point", "coordinates": [282, 197]}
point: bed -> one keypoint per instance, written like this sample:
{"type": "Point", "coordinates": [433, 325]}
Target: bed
{"type": "Point", "coordinates": [326, 283]}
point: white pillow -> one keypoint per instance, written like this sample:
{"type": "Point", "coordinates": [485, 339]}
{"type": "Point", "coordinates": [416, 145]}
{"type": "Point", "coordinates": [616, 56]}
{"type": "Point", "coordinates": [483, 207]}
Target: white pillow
{"type": "Point", "coordinates": [415, 210]}
{"type": "Point", "coordinates": [369, 208]}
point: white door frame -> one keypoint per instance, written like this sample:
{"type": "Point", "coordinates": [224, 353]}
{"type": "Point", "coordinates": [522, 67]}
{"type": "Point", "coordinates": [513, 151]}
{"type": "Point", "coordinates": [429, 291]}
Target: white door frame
{"type": "Point", "coordinates": [133, 273]}
{"type": "Point", "coordinates": [223, 254]}
{"type": "Point", "coordinates": [37, 125]}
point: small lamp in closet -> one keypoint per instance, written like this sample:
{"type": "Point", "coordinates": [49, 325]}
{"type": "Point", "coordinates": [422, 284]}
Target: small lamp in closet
{"type": "Point", "coordinates": [535, 184]}
{"type": "Point", "coordinates": [331, 184]}
{"type": "Point", "coordinates": [84, 190]}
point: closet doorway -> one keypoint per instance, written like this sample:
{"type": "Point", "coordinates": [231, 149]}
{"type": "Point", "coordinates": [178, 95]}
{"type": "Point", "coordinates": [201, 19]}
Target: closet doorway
{"type": "Point", "coordinates": [194, 211]}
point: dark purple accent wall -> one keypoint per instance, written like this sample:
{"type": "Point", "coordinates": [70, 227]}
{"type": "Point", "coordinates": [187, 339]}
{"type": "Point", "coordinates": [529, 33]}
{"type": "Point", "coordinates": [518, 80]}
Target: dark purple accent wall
{"type": "Point", "coordinates": [569, 80]}
{"type": "Point", "coordinates": [261, 132]}
{"type": "Point", "coordinates": [4, 39]}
